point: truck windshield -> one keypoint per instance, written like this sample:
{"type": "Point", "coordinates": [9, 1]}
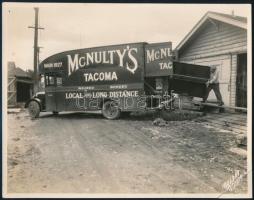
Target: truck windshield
{"type": "Point", "coordinates": [53, 80]}
{"type": "Point", "coordinates": [49, 80]}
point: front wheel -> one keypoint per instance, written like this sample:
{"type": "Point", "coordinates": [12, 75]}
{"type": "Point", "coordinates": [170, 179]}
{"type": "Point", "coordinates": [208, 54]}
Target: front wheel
{"type": "Point", "coordinates": [110, 110]}
{"type": "Point", "coordinates": [34, 109]}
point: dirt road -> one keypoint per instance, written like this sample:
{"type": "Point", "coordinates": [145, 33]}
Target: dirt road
{"type": "Point", "coordinates": [85, 153]}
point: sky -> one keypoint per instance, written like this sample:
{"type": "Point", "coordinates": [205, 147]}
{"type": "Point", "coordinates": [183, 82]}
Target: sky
{"type": "Point", "coordinates": [72, 26]}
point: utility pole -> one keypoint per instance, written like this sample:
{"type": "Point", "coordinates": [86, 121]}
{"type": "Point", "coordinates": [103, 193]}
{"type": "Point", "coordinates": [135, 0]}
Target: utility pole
{"type": "Point", "coordinates": [38, 54]}
{"type": "Point", "coordinates": [38, 61]}
{"type": "Point", "coordinates": [36, 28]}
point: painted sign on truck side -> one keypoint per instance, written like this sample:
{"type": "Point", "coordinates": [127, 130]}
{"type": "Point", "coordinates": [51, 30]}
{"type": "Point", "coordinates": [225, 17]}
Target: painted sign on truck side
{"type": "Point", "coordinates": [118, 64]}
{"type": "Point", "coordinates": [158, 59]}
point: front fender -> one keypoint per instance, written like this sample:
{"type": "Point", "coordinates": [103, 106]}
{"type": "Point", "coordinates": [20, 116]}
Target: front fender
{"type": "Point", "coordinates": [34, 99]}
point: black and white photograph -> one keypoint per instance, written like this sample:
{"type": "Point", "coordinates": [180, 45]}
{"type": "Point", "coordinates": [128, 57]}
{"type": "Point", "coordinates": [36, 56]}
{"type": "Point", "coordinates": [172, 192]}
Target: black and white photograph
{"type": "Point", "coordinates": [126, 100]}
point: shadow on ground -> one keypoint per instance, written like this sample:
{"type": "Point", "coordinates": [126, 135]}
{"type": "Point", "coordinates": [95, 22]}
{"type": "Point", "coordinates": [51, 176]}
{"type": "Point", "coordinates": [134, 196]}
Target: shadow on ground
{"type": "Point", "coordinates": [133, 116]}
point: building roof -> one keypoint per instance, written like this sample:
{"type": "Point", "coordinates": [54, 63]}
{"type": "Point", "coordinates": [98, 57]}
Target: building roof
{"type": "Point", "coordinates": [233, 17]}
{"type": "Point", "coordinates": [234, 20]}
{"type": "Point", "coordinates": [16, 71]}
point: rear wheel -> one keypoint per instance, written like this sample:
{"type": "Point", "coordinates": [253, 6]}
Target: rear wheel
{"type": "Point", "coordinates": [110, 110]}
{"type": "Point", "coordinates": [34, 109]}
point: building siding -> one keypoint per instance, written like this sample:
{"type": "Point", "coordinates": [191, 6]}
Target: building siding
{"type": "Point", "coordinates": [215, 39]}
{"type": "Point", "coordinates": [233, 80]}
{"type": "Point", "coordinates": [218, 44]}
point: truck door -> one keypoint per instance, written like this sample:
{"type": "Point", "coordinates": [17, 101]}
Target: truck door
{"type": "Point", "coordinates": [50, 92]}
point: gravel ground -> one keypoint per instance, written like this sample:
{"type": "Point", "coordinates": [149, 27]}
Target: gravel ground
{"type": "Point", "coordinates": [85, 153]}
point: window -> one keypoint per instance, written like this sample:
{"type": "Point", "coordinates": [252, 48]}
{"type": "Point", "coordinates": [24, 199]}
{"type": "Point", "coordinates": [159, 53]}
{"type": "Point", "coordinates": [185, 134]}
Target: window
{"type": "Point", "coordinates": [42, 81]}
{"type": "Point", "coordinates": [59, 81]}
{"type": "Point", "coordinates": [50, 80]}
{"type": "Point", "coordinates": [53, 79]}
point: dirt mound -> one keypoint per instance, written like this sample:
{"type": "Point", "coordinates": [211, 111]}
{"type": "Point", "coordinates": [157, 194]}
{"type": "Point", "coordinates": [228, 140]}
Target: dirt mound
{"type": "Point", "coordinates": [175, 115]}
{"type": "Point", "coordinates": [159, 122]}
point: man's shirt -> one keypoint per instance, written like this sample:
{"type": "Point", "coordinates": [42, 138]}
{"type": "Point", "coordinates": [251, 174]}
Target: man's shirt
{"type": "Point", "coordinates": [214, 77]}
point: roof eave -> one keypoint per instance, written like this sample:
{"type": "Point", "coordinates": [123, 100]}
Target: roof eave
{"type": "Point", "coordinates": [193, 30]}
{"type": "Point", "coordinates": [203, 19]}
{"type": "Point", "coordinates": [234, 22]}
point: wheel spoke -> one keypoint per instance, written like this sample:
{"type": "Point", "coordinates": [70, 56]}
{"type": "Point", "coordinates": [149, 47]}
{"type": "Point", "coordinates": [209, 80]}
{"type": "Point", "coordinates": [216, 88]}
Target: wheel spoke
{"type": "Point", "coordinates": [110, 110]}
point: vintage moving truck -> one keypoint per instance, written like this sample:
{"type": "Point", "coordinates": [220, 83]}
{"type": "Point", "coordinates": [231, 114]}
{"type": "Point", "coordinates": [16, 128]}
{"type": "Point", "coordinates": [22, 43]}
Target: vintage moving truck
{"type": "Point", "coordinates": [115, 79]}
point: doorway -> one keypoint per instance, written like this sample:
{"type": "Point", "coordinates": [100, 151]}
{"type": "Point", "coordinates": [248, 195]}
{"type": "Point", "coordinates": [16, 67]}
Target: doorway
{"type": "Point", "coordinates": [241, 81]}
{"type": "Point", "coordinates": [23, 91]}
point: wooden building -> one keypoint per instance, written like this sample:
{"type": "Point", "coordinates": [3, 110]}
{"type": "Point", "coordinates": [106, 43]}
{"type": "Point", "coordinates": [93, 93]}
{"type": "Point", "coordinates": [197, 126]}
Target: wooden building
{"type": "Point", "coordinates": [221, 40]}
{"type": "Point", "coordinates": [20, 85]}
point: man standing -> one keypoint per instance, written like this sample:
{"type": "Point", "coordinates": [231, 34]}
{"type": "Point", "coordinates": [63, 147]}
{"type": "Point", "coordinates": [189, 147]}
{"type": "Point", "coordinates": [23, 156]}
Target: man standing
{"type": "Point", "coordinates": [213, 84]}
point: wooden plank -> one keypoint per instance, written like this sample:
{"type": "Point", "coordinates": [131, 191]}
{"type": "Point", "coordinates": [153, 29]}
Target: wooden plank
{"type": "Point", "coordinates": [235, 115]}
{"type": "Point", "coordinates": [244, 128]}
{"type": "Point", "coordinates": [241, 120]}
{"type": "Point", "coordinates": [230, 126]}
{"type": "Point", "coordinates": [210, 32]}
{"type": "Point", "coordinates": [206, 60]}
{"type": "Point", "coordinates": [223, 33]}
{"type": "Point", "coordinates": [239, 123]}
{"type": "Point", "coordinates": [229, 117]}
{"type": "Point", "coordinates": [226, 51]}
{"type": "Point", "coordinates": [215, 39]}
{"type": "Point", "coordinates": [232, 130]}
{"type": "Point", "coordinates": [217, 49]}
{"type": "Point", "coordinates": [217, 42]}
{"type": "Point", "coordinates": [11, 96]}
{"type": "Point", "coordinates": [13, 79]}
{"type": "Point", "coordinates": [221, 36]}
{"type": "Point", "coordinates": [217, 106]}
{"type": "Point", "coordinates": [237, 118]}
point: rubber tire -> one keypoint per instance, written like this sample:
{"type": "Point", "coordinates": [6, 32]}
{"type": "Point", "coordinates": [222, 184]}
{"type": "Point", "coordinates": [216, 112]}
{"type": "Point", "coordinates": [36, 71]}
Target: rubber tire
{"type": "Point", "coordinates": [34, 109]}
{"type": "Point", "coordinates": [106, 112]}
